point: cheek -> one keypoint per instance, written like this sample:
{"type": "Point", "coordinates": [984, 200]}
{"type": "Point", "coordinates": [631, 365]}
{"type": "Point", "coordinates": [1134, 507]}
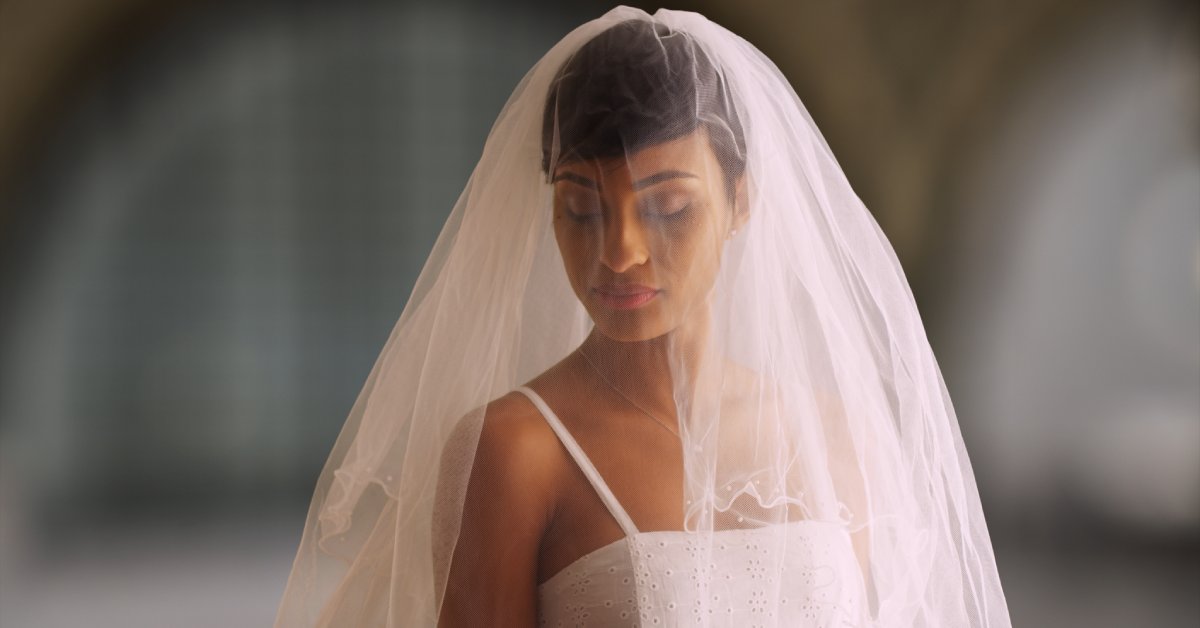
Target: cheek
{"type": "Point", "coordinates": [692, 243]}
{"type": "Point", "coordinates": [698, 261]}
{"type": "Point", "coordinates": [575, 248]}
{"type": "Point", "coordinates": [697, 256]}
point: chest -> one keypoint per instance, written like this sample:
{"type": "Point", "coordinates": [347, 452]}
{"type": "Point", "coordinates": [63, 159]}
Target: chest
{"type": "Point", "coordinates": [643, 470]}
{"type": "Point", "coordinates": [641, 463]}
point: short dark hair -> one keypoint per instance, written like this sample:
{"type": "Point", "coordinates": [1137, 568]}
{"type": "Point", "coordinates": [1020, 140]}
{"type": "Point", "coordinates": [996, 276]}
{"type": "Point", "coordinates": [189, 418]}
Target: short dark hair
{"type": "Point", "coordinates": [636, 84]}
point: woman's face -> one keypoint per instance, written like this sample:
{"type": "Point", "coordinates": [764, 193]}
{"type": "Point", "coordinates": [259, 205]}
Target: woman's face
{"type": "Point", "coordinates": [641, 236]}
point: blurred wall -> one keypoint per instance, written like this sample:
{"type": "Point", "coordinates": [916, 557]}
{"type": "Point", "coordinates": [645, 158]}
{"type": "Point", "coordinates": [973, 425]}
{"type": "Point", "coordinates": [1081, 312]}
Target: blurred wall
{"type": "Point", "coordinates": [206, 247]}
{"type": "Point", "coordinates": [211, 215]}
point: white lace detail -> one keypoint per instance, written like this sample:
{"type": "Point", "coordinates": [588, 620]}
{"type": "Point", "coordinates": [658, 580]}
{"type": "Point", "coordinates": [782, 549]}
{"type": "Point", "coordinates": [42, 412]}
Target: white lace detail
{"type": "Point", "coordinates": [677, 578]}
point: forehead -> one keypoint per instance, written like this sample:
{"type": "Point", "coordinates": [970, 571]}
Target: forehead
{"type": "Point", "coordinates": [691, 153]}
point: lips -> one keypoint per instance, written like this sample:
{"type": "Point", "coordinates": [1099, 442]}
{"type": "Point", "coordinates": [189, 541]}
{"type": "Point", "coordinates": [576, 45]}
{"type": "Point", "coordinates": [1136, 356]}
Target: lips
{"type": "Point", "coordinates": [626, 296]}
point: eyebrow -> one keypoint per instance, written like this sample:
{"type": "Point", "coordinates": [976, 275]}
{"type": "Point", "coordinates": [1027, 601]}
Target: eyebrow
{"type": "Point", "coordinates": [658, 177]}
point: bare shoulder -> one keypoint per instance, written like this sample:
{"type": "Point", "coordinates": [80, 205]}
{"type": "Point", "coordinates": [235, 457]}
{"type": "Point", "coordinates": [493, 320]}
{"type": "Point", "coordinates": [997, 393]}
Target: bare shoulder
{"type": "Point", "coordinates": [513, 420]}
{"type": "Point", "coordinates": [508, 452]}
{"type": "Point", "coordinates": [507, 459]}
{"type": "Point", "coordinates": [517, 444]}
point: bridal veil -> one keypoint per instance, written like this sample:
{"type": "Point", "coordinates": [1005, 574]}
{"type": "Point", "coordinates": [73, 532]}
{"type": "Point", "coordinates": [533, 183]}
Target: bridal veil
{"type": "Point", "coordinates": [802, 381]}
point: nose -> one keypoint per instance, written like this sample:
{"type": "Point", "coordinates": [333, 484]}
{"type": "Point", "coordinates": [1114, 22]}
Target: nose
{"type": "Point", "coordinates": [624, 243]}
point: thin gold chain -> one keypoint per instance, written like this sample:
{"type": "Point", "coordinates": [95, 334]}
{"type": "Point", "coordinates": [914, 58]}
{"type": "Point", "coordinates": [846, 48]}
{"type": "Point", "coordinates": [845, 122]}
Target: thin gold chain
{"type": "Point", "coordinates": [624, 396]}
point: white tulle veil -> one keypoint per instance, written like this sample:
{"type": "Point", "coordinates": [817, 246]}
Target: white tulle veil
{"type": "Point", "coordinates": [803, 384]}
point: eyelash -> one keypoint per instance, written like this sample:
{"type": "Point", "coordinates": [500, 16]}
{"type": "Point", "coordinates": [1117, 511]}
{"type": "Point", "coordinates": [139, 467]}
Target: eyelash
{"type": "Point", "coordinates": [675, 215]}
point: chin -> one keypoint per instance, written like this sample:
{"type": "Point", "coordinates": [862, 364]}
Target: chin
{"type": "Point", "coordinates": [631, 326]}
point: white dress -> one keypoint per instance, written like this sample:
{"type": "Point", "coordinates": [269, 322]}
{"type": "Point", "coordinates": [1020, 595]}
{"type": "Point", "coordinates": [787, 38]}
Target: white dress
{"type": "Point", "coordinates": [645, 579]}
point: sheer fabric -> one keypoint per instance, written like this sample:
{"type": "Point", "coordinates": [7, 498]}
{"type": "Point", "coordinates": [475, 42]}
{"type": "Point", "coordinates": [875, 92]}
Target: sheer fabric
{"type": "Point", "coordinates": [658, 245]}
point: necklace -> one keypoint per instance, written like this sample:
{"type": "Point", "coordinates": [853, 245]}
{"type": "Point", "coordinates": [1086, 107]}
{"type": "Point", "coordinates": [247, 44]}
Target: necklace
{"type": "Point", "coordinates": [624, 396]}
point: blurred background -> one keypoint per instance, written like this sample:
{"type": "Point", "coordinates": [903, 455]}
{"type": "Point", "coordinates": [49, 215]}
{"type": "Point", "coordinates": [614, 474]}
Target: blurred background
{"type": "Point", "coordinates": [212, 213]}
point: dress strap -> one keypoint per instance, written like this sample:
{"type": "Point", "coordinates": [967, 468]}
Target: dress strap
{"type": "Point", "coordinates": [585, 464]}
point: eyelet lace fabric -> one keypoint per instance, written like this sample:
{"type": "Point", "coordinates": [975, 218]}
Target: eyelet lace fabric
{"type": "Point", "coordinates": [743, 577]}
{"type": "Point", "coordinates": [818, 587]}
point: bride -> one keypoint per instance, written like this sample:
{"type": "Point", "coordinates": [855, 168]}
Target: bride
{"type": "Point", "coordinates": [661, 368]}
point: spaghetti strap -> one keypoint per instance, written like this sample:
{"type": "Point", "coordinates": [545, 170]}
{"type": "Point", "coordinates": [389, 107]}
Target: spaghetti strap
{"type": "Point", "coordinates": [584, 463]}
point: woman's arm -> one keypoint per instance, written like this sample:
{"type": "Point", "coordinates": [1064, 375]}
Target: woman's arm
{"type": "Point", "coordinates": [508, 504]}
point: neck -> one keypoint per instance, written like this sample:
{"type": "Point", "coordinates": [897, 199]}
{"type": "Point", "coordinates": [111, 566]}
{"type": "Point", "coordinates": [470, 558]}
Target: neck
{"type": "Point", "coordinates": [652, 372]}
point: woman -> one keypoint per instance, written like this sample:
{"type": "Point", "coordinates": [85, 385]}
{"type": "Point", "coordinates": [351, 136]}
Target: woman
{"type": "Point", "coordinates": [661, 368]}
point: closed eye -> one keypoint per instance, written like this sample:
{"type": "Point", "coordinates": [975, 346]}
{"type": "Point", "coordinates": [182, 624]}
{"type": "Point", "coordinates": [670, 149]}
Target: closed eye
{"type": "Point", "coordinates": [581, 207]}
{"type": "Point", "coordinates": [584, 218]}
{"type": "Point", "coordinates": [667, 206]}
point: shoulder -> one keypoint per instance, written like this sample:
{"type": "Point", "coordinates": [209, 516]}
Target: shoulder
{"type": "Point", "coordinates": [514, 429]}
{"type": "Point", "coordinates": [502, 465]}
{"type": "Point", "coordinates": [509, 453]}
{"type": "Point", "coordinates": [516, 450]}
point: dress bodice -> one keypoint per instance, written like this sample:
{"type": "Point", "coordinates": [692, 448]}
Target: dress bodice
{"type": "Point", "coordinates": [807, 576]}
